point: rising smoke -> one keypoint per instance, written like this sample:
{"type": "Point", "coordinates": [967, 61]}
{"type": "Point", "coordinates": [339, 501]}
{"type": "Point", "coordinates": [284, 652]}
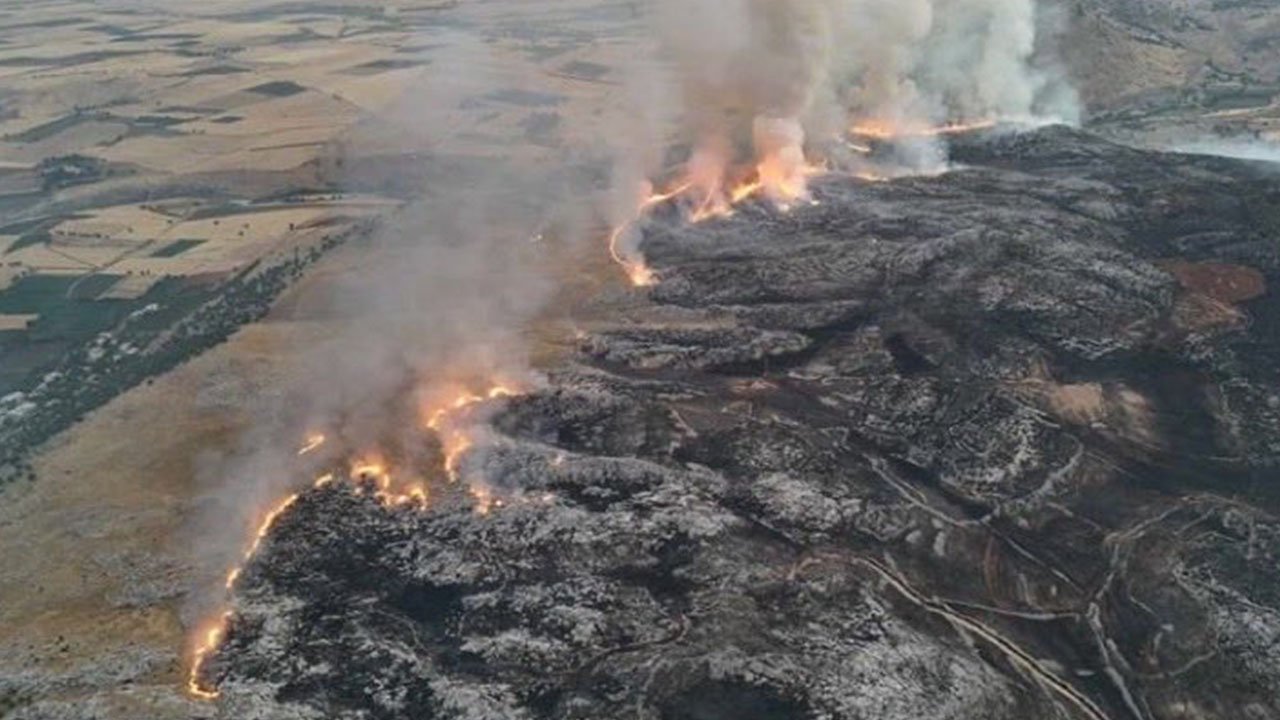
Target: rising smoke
{"type": "Point", "coordinates": [764, 94]}
{"type": "Point", "coordinates": [766, 79]}
{"type": "Point", "coordinates": [444, 294]}
{"type": "Point", "coordinates": [1251, 148]}
{"type": "Point", "coordinates": [437, 303]}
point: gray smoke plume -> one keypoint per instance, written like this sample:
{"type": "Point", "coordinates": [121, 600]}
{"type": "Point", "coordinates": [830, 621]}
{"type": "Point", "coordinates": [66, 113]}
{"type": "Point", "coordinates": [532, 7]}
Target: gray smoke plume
{"type": "Point", "coordinates": [445, 292]}
{"type": "Point", "coordinates": [440, 298]}
{"type": "Point", "coordinates": [815, 66]}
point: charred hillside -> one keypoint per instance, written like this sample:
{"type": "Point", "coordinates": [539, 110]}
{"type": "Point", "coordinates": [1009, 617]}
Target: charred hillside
{"type": "Point", "coordinates": [1001, 443]}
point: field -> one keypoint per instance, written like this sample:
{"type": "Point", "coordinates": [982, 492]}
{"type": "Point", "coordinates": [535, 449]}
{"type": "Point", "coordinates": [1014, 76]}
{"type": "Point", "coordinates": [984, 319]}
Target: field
{"type": "Point", "coordinates": [148, 157]}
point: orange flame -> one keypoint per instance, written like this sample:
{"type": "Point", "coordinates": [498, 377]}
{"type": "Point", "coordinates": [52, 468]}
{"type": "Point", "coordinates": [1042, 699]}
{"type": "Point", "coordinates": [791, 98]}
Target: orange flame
{"type": "Point", "coordinates": [268, 521]}
{"type": "Point", "coordinates": [783, 186]}
{"type": "Point", "coordinates": [372, 469]}
{"type": "Point", "coordinates": [885, 130]}
{"type": "Point", "coordinates": [456, 438]}
{"type": "Point", "coordinates": [385, 491]}
{"type": "Point", "coordinates": [781, 175]}
{"type": "Point", "coordinates": [212, 637]}
{"type": "Point", "coordinates": [314, 441]}
{"type": "Point", "coordinates": [457, 441]}
{"type": "Point", "coordinates": [637, 271]}
{"type": "Point", "coordinates": [484, 500]}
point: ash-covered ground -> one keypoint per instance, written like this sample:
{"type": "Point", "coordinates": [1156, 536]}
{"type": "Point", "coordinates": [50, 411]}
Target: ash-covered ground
{"type": "Point", "coordinates": [998, 444]}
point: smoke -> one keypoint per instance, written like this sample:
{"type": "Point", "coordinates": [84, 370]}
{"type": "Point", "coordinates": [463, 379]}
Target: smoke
{"type": "Point", "coordinates": [816, 67]}
{"type": "Point", "coordinates": [441, 299]}
{"type": "Point", "coordinates": [437, 303]}
{"type": "Point", "coordinates": [749, 84]}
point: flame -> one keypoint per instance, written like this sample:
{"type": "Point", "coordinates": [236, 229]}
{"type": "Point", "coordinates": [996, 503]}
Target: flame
{"type": "Point", "coordinates": [448, 422]}
{"type": "Point", "coordinates": [385, 491]}
{"type": "Point", "coordinates": [785, 187]}
{"type": "Point", "coordinates": [716, 205]}
{"type": "Point", "coordinates": [437, 418]}
{"type": "Point", "coordinates": [314, 441]}
{"type": "Point", "coordinates": [637, 271]}
{"type": "Point", "coordinates": [210, 640]}
{"type": "Point", "coordinates": [264, 527]}
{"type": "Point", "coordinates": [484, 500]}
{"type": "Point", "coordinates": [781, 174]}
{"type": "Point", "coordinates": [885, 130]}
{"type": "Point", "coordinates": [372, 469]}
{"type": "Point", "coordinates": [456, 445]}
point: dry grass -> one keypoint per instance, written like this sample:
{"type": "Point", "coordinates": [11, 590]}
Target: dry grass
{"type": "Point", "coordinates": [100, 557]}
{"type": "Point", "coordinates": [15, 322]}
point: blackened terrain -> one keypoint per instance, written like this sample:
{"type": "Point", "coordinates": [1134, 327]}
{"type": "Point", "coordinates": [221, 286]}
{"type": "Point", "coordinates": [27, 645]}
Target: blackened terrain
{"type": "Point", "coordinates": [999, 444]}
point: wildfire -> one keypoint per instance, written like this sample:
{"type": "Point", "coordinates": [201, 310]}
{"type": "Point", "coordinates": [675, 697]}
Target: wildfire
{"type": "Point", "coordinates": [268, 521]}
{"type": "Point", "coordinates": [437, 418]}
{"type": "Point", "coordinates": [637, 271]}
{"type": "Point", "coordinates": [456, 445]}
{"type": "Point", "coordinates": [783, 182]}
{"type": "Point", "coordinates": [371, 469]}
{"type": "Point", "coordinates": [886, 131]}
{"type": "Point", "coordinates": [486, 500]}
{"type": "Point", "coordinates": [456, 434]}
{"type": "Point", "coordinates": [712, 189]}
{"type": "Point", "coordinates": [314, 441]}
{"type": "Point", "coordinates": [784, 187]}
{"type": "Point", "coordinates": [210, 639]}
{"type": "Point", "coordinates": [385, 488]}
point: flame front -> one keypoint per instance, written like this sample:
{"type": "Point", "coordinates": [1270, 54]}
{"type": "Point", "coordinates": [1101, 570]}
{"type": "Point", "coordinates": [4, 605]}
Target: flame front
{"type": "Point", "coordinates": [448, 421]}
{"type": "Point", "coordinates": [885, 130]}
{"type": "Point", "coordinates": [637, 271]}
{"type": "Point", "coordinates": [451, 421]}
{"type": "Point", "coordinates": [211, 638]}
{"type": "Point", "coordinates": [781, 176]}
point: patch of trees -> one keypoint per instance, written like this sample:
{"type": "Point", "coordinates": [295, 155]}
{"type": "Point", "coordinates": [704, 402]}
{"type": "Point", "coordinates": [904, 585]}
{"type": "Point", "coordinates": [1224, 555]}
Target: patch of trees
{"type": "Point", "coordinates": [67, 170]}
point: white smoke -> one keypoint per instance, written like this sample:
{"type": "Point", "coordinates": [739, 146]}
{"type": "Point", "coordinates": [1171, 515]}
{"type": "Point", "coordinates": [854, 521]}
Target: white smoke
{"type": "Point", "coordinates": [437, 302]}
{"type": "Point", "coordinates": [454, 283]}
{"type": "Point", "coordinates": [819, 65]}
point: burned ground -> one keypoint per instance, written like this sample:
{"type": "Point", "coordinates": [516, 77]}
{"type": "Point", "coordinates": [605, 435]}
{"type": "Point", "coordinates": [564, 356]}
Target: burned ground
{"type": "Point", "coordinates": [997, 444]}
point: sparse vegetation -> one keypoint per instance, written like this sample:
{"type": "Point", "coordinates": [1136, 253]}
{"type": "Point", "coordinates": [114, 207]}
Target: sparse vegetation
{"type": "Point", "coordinates": [133, 341]}
{"type": "Point", "coordinates": [67, 170]}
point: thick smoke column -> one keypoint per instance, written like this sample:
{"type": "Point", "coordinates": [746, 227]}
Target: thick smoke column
{"type": "Point", "coordinates": [432, 308]}
{"type": "Point", "coordinates": [777, 77]}
{"type": "Point", "coordinates": [981, 61]}
{"type": "Point", "coordinates": [884, 40]}
{"type": "Point", "coordinates": [751, 82]}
